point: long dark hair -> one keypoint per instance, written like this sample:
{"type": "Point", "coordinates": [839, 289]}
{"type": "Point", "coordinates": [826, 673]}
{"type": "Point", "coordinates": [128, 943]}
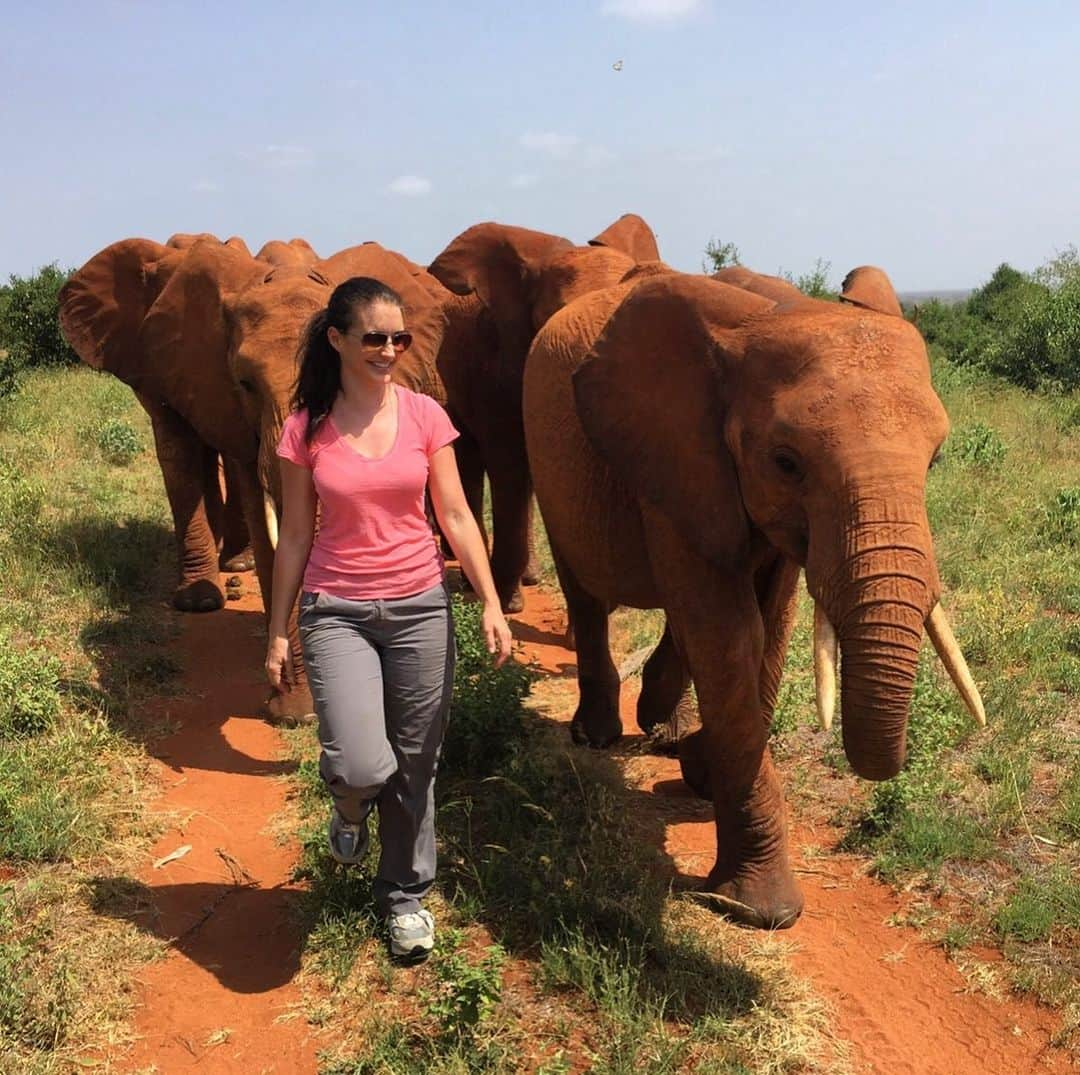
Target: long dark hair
{"type": "Point", "coordinates": [319, 379]}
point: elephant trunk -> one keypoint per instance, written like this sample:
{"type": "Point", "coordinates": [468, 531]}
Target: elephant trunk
{"type": "Point", "coordinates": [878, 594]}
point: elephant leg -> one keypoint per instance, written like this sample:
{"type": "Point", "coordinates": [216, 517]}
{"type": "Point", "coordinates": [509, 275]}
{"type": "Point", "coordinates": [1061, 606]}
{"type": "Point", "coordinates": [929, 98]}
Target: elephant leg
{"type": "Point", "coordinates": [294, 706]}
{"type": "Point", "coordinates": [531, 574]}
{"type": "Point", "coordinates": [511, 496]}
{"type": "Point", "coordinates": [716, 621]}
{"type": "Point", "coordinates": [471, 470]}
{"type": "Point", "coordinates": [236, 551]}
{"type": "Point", "coordinates": [777, 585]}
{"type": "Point", "coordinates": [596, 721]}
{"type": "Point", "coordinates": [185, 461]}
{"type": "Point", "coordinates": [666, 708]}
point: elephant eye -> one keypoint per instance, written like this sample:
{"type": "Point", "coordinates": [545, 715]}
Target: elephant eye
{"type": "Point", "coordinates": [246, 385]}
{"type": "Point", "coordinates": [787, 464]}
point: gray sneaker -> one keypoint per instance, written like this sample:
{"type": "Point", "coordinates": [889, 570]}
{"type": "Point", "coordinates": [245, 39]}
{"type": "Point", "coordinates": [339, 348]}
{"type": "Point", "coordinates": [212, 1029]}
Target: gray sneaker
{"type": "Point", "coordinates": [348, 840]}
{"type": "Point", "coordinates": [412, 936]}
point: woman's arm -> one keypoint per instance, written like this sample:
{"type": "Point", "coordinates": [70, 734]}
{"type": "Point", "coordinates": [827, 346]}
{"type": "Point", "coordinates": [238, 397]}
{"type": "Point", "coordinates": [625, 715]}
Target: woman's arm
{"type": "Point", "coordinates": [294, 546]}
{"type": "Point", "coordinates": [459, 527]}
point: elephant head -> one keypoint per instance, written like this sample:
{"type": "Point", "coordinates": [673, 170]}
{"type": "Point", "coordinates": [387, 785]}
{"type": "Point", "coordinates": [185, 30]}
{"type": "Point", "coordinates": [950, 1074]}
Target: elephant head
{"type": "Point", "coordinates": [182, 240]}
{"type": "Point", "coordinates": [752, 417]}
{"type": "Point", "coordinates": [296, 253]}
{"type": "Point", "coordinates": [523, 277]}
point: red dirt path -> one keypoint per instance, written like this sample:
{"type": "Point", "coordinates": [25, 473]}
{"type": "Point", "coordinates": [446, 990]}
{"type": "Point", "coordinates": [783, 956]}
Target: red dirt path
{"type": "Point", "coordinates": [223, 999]}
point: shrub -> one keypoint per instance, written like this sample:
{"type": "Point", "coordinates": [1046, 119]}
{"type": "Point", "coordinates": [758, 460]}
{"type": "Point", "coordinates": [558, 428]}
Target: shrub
{"type": "Point", "coordinates": [719, 256]}
{"type": "Point", "coordinates": [117, 441]}
{"type": "Point", "coordinates": [29, 321]}
{"type": "Point", "coordinates": [21, 501]}
{"type": "Point", "coordinates": [1061, 520]}
{"type": "Point", "coordinates": [29, 694]}
{"type": "Point", "coordinates": [977, 445]}
{"type": "Point", "coordinates": [486, 713]}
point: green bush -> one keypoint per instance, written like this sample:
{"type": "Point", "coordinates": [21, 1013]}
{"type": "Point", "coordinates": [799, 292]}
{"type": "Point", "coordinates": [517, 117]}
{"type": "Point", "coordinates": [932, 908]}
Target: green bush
{"type": "Point", "coordinates": [29, 694]}
{"type": "Point", "coordinates": [30, 326]}
{"type": "Point", "coordinates": [1061, 520]}
{"type": "Point", "coordinates": [485, 714]}
{"type": "Point", "coordinates": [976, 445]}
{"type": "Point", "coordinates": [21, 501]}
{"type": "Point", "coordinates": [719, 256]}
{"type": "Point", "coordinates": [117, 441]}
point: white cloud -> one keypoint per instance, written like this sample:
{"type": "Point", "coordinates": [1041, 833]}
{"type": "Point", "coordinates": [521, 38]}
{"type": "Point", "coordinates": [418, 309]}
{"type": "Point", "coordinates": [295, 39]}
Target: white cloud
{"type": "Point", "coordinates": [550, 142]}
{"type": "Point", "coordinates": [205, 186]}
{"type": "Point", "coordinates": [523, 180]}
{"type": "Point", "coordinates": [652, 10]}
{"type": "Point", "coordinates": [410, 186]}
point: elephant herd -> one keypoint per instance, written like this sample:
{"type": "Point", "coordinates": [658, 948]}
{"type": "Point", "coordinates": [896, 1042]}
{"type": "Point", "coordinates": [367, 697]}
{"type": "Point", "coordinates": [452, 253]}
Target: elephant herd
{"type": "Point", "coordinates": [693, 442]}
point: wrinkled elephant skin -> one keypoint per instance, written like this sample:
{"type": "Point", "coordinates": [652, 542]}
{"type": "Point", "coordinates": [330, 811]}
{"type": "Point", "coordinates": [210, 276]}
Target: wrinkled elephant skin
{"type": "Point", "coordinates": [694, 444]}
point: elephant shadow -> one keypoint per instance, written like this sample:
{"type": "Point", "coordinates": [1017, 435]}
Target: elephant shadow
{"type": "Point", "coordinates": [154, 667]}
{"type": "Point", "coordinates": [232, 930]}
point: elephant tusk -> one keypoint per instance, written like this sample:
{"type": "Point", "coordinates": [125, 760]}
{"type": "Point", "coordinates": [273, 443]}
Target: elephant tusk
{"type": "Point", "coordinates": [941, 634]}
{"type": "Point", "coordinates": [271, 520]}
{"type": "Point", "coordinates": [824, 666]}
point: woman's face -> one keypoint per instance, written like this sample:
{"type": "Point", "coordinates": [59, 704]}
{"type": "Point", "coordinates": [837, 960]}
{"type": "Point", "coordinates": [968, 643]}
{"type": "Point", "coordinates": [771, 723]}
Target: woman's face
{"type": "Point", "coordinates": [372, 363]}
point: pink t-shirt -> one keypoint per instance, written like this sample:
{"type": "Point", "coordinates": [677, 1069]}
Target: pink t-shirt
{"type": "Point", "coordinates": [374, 539]}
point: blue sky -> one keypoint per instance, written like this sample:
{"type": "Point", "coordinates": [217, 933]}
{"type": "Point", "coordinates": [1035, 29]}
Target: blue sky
{"type": "Point", "coordinates": [934, 139]}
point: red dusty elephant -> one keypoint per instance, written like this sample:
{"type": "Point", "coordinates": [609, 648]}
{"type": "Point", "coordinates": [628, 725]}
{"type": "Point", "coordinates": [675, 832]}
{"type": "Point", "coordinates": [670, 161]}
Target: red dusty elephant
{"type": "Point", "coordinates": [693, 445]}
{"type": "Point", "coordinates": [206, 335]}
{"type": "Point", "coordinates": [518, 278]}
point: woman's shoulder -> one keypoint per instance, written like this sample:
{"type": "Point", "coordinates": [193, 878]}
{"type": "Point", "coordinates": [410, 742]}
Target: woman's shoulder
{"type": "Point", "coordinates": [417, 403]}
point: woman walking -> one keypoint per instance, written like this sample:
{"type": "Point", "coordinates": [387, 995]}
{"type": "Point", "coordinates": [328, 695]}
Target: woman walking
{"type": "Point", "coordinates": [375, 623]}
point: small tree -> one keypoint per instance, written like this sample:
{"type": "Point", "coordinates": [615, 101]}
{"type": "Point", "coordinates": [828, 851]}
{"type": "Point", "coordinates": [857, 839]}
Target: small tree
{"type": "Point", "coordinates": [30, 323]}
{"type": "Point", "coordinates": [719, 256]}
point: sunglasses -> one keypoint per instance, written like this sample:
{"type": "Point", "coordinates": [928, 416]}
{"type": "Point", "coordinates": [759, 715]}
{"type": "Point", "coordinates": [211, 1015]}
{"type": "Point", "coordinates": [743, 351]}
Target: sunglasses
{"type": "Point", "coordinates": [402, 341]}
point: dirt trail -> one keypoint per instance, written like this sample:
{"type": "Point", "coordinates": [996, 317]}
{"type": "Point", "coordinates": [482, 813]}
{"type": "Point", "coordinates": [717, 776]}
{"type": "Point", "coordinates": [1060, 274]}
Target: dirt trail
{"type": "Point", "coordinates": [223, 999]}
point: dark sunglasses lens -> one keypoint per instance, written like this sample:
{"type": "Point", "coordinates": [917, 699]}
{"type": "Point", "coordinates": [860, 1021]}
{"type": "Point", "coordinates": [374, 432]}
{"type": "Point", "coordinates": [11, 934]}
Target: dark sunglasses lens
{"type": "Point", "coordinates": [400, 340]}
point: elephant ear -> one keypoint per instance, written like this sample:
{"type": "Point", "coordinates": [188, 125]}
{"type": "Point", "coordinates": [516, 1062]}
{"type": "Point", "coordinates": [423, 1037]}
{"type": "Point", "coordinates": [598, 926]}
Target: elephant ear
{"type": "Point", "coordinates": [632, 236]}
{"type": "Point", "coordinates": [771, 287]}
{"type": "Point", "coordinates": [186, 338]}
{"type": "Point", "coordinates": [500, 264]}
{"type": "Point", "coordinates": [651, 401]}
{"type": "Point", "coordinates": [103, 305]}
{"type": "Point", "coordinates": [870, 287]}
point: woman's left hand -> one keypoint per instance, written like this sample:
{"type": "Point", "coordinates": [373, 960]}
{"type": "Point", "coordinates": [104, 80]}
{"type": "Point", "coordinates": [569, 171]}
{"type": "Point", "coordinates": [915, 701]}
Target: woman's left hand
{"type": "Point", "coordinates": [496, 632]}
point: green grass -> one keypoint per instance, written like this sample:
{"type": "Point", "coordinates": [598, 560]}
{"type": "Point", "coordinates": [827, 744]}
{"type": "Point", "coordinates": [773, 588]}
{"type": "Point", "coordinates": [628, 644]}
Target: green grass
{"type": "Point", "coordinates": [544, 868]}
{"type": "Point", "coordinates": [82, 548]}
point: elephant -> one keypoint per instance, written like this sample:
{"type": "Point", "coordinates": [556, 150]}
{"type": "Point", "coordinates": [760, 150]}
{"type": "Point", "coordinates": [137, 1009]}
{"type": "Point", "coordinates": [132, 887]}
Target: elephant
{"type": "Point", "coordinates": [296, 253]}
{"type": "Point", "coordinates": [696, 444]}
{"type": "Point", "coordinates": [517, 278]}
{"type": "Point", "coordinates": [206, 336]}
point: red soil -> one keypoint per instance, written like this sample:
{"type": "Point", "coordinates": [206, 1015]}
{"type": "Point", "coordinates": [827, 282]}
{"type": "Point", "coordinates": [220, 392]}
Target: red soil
{"type": "Point", "coordinates": [901, 1005]}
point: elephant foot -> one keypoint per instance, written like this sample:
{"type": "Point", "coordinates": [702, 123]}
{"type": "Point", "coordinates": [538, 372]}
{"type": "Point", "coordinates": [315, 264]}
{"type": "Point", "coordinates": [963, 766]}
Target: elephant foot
{"type": "Point", "coordinates": [244, 560]}
{"type": "Point", "coordinates": [515, 602]}
{"type": "Point", "coordinates": [692, 763]}
{"type": "Point", "coordinates": [289, 710]}
{"type": "Point", "coordinates": [200, 596]}
{"type": "Point", "coordinates": [531, 575]}
{"type": "Point", "coordinates": [768, 898]}
{"type": "Point", "coordinates": [591, 729]}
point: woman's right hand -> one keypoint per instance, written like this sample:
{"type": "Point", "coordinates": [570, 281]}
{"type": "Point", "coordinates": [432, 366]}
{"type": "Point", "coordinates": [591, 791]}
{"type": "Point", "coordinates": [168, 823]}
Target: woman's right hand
{"type": "Point", "coordinates": [279, 663]}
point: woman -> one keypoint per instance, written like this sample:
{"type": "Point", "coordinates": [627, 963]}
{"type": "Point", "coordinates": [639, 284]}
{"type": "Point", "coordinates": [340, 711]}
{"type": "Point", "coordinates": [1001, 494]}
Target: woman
{"type": "Point", "coordinates": [375, 622]}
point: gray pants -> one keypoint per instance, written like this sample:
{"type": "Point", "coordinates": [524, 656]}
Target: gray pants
{"type": "Point", "coordinates": [381, 674]}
